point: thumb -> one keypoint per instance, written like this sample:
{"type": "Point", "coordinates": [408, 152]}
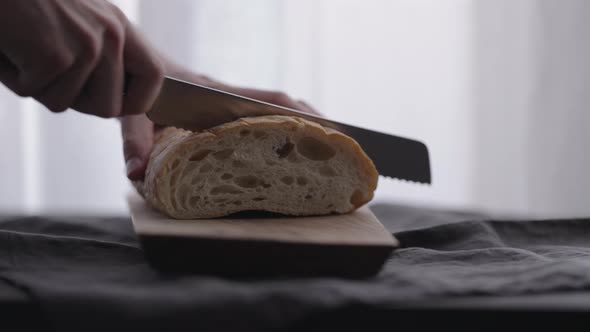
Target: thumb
{"type": "Point", "coordinates": [138, 140]}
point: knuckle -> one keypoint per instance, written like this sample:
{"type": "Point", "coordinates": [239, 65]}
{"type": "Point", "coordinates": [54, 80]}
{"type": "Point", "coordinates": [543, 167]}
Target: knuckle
{"type": "Point", "coordinates": [154, 75]}
{"type": "Point", "coordinates": [118, 12]}
{"type": "Point", "coordinates": [114, 34]}
{"type": "Point", "coordinates": [59, 61]}
{"type": "Point", "coordinates": [93, 47]}
{"type": "Point", "coordinates": [157, 71]}
{"type": "Point", "coordinates": [115, 28]}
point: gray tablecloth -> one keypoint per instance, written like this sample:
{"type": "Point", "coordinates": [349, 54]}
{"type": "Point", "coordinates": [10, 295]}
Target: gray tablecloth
{"type": "Point", "coordinates": [90, 274]}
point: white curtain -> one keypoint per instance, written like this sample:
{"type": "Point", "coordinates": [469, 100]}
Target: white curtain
{"type": "Point", "coordinates": [532, 91]}
{"type": "Point", "coordinates": [497, 89]}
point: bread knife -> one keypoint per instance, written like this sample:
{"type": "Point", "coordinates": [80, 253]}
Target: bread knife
{"type": "Point", "coordinates": [195, 107]}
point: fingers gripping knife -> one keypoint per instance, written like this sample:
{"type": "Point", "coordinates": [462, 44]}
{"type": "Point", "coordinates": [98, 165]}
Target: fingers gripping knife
{"type": "Point", "coordinates": [195, 107]}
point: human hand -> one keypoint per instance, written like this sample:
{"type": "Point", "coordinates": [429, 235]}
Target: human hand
{"type": "Point", "coordinates": [75, 54]}
{"type": "Point", "coordinates": [139, 132]}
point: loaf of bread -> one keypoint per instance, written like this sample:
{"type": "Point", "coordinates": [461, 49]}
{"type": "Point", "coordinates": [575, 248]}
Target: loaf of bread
{"type": "Point", "coordinates": [279, 164]}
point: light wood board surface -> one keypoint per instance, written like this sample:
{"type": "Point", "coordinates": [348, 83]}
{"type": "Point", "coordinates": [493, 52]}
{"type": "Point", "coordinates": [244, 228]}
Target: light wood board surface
{"type": "Point", "coordinates": [360, 227]}
{"type": "Point", "coordinates": [354, 244]}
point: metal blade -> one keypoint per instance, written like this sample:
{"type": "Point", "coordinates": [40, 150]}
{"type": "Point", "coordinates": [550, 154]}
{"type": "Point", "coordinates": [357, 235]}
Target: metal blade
{"type": "Point", "coordinates": [195, 107]}
{"type": "Point", "coordinates": [394, 156]}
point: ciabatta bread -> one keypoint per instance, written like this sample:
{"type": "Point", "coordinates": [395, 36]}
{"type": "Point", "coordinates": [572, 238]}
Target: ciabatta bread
{"type": "Point", "coordinates": [279, 164]}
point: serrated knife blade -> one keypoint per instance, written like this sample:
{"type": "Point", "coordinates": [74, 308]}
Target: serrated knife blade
{"type": "Point", "coordinates": [195, 107]}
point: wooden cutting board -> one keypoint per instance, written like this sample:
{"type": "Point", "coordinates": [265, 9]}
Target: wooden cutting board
{"type": "Point", "coordinates": [351, 245]}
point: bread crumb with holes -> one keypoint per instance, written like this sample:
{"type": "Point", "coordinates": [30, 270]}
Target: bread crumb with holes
{"type": "Point", "coordinates": [278, 164]}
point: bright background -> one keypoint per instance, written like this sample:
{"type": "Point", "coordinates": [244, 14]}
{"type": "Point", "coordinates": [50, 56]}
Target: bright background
{"type": "Point", "coordinates": [498, 90]}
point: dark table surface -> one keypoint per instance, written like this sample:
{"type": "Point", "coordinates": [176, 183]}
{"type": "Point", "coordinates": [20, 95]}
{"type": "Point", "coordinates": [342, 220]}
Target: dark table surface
{"type": "Point", "coordinates": [72, 273]}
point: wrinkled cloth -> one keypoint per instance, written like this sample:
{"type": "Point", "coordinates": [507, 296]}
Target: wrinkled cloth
{"type": "Point", "coordinates": [90, 273]}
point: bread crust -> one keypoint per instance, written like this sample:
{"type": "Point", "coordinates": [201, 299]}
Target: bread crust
{"type": "Point", "coordinates": [173, 146]}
